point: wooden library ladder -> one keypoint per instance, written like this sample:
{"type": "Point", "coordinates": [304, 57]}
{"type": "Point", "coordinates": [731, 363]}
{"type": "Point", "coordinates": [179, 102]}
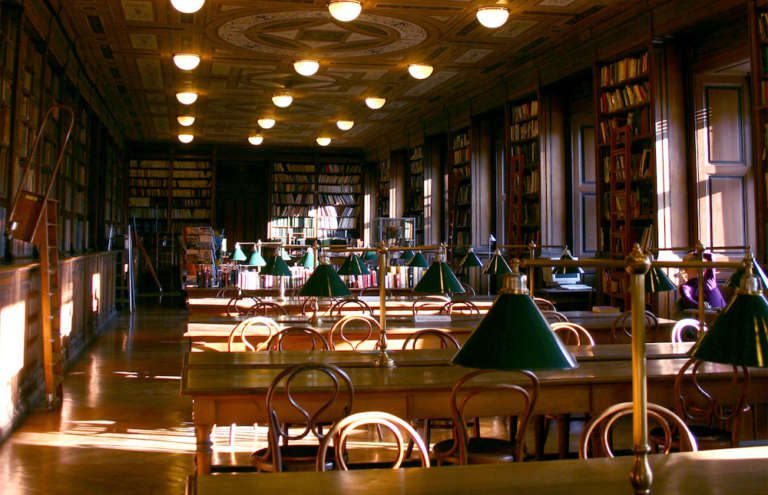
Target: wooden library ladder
{"type": "Point", "coordinates": [34, 218]}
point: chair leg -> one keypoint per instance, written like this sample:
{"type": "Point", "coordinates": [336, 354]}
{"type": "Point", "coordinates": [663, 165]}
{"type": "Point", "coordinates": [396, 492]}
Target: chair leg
{"type": "Point", "coordinates": [563, 434]}
{"type": "Point", "coordinates": [540, 430]}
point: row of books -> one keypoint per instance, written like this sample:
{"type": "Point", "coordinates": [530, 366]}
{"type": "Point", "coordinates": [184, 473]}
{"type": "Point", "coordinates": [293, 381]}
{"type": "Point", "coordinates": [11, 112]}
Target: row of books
{"type": "Point", "coordinates": [524, 111]}
{"type": "Point", "coordinates": [193, 213]}
{"type": "Point", "coordinates": [159, 192]}
{"type": "Point", "coordinates": [530, 214]}
{"type": "Point", "coordinates": [160, 183]}
{"type": "Point", "coordinates": [148, 164]}
{"type": "Point", "coordinates": [624, 69]}
{"type": "Point", "coordinates": [283, 187]}
{"type": "Point", "coordinates": [146, 202]}
{"type": "Point", "coordinates": [416, 153]}
{"type": "Point", "coordinates": [463, 194]}
{"type": "Point", "coordinates": [278, 178]}
{"type": "Point", "coordinates": [191, 193]}
{"type": "Point", "coordinates": [638, 121]}
{"type": "Point", "coordinates": [624, 97]}
{"type": "Point", "coordinates": [640, 204]}
{"type": "Point", "coordinates": [462, 172]}
{"type": "Point", "coordinates": [331, 168]}
{"type": "Point", "coordinates": [341, 188]}
{"type": "Point", "coordinates": [461, 140]}
{"type": "Point", "coordinates": [461, 155]}
{"type": "Point", "coordinates": [337, 223]}
{"type": "Point", "coordinates": [532, 182]}
{"type": "Point", "coordinates": [179, 166]}
{"type": "Point", "coordinates": [525, 130]}
{"type": "Point", "coordinates": [762, 23]}
{"type": "Point", "coordinates": [416, 167]}
{"type": "Point", "coordinates": [640, 166]}
{"type": "Point", "coordinates": [294, 168]}
{"type": "Point", "coordinates": [337, 199]}
{"type": "Point", "coordinates": [290, 210]}
{"type": "Point", "coordinates": [293, 198]}
{"type": "Point", "coordinates": [191, 203]}
{"type": "Point", "coordinates": [293, 222]}
{"type": "Point", "coordinates": [192, 174]}
{"type": "Point", "coordinates": [529, 151]}
{"type": "Point", "coordinates": [338, 179]}
{"type": "Point", "coordinates": [462, 218]}
{"type": "Point", "coordinates": [415, 183]}
{"type": "Point", "coordinates": [462, 238]}
{"type": "Point", "coordinates": [134, 173]}
{"type": "Point", "coordinates": [332, 211]}
{"type": "Point", "coordinates": [183, 183]}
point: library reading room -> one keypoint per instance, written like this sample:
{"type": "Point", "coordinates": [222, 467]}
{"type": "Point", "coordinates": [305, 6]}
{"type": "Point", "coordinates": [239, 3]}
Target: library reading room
{"type": "Point", "coordinates": [428, 247]}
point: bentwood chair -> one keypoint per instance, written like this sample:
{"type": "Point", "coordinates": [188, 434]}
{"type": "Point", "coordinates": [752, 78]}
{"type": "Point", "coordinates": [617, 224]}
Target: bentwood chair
{"type": "Point", "coordinates": [554, 316]}
{"type": "Point", "coordinates": [596, 439]}
{"type": "Point", "coordinates": [544, 304]}
{"type": "Point", "coordinates": [572, 333]}
{"type": "Point", "coordinates": [460, 307]}
{"type": "Point", "coordinates": [350, 306]}
{"type": "Point", "coordinates": [430, 338]}
{"type": "Point", "coordinates": [254, 333]}
{"type": "Point", "coordinates": [340, 434]}
{"type": "Point", "coordinates": [471, 399]}
{"type": "Point", "coordinates": [298, 338]}
{"type": "Point", "coordinates": [687, 330]}
{"type": "Point", "coordinates": [353, 332]}
{"type": "Point", "coordinates": [266, 308]}
{"type": "Point", "coordinates": [429, 304]}
{"type": "Point", "coordinates": [332, 401]}
{"type": "Point", "coordinates": [621, 327]}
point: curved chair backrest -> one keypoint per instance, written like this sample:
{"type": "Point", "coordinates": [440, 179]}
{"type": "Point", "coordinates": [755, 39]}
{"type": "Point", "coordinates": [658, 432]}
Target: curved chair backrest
{"type": "Point", "coordinates": [309, 306]}
{"type": "Point", "coordinates": [685, 329]}
{"type": "Point", "coordinates": [544, 304]}
{"type": "Point", "coordinates": [339, 308]}
{"type": "Point", "coordinates": [298, 338]}
{"type": "Point", "coordinates": [698, 406]}
{"type": "Point", "coordinates": [266, 308]}
{"type": "Point", "coordinates": [363, 327]}
{"type": "Point", "coordinates": [460, 307]}
{"type": "Point", "coordinates": [332, 398]}
{"type": "Point", "coordinates": [572, 333]}
{"type": "Point", "coordinates": [554, 316]}
{"type": "Point", "coordinates": [340, 432]}
{"type": "Point", "coordinates": [621, 328]}
{"type": "Point", "coordinates": [469, 291]}
{"type": "Point", "coordinates": [255, 327]}
{"type": "Point", "coordinates": [422, 339]}
{"type": "Point", "coordinates": [431, 304]}
{"type": "Point", "coordinates": [234, 306]}
{"type": "Point", "coordinates": [671, 424]}
{"type": "Point", "coordinates": [472, 399]}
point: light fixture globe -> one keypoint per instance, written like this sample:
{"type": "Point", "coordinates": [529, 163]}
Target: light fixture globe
{"type": "Point", "coordinates": [187, 6]}
{"type": "Point", "coordinates": [420, 71]}
{"type": "Point", "coordinates": [323, 141]}
{"type": "Point", "coordinates": [186, 97]}
{"type": "Point", "coordinates": [345, 125]}
{"type": "Point", "coordinates": [186, 61]}
{"type": "Point", "coordinates": [492, 17]}
{"type": "Point", "coordinates": [266, 123]}
{"type": "Point", "coordinates": [344, 10]}
{"type": "Point", "coordinates": [282, 100]}
{"type": "Point", "coordinates": [306, 67]}
{"type": "Point", "coordinates": [375, 102]}
{"type": "Point", "coordinates": [185, 120]}
{"type": "Point", "coordinates": [186, 138]}
{"type": "Point", "coordinates": [256, 139]}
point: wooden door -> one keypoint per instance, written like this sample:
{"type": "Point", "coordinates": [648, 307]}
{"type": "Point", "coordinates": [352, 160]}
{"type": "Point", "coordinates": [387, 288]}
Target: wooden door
{"type": "Point", "coordinates": [584, 225]}
{"type": "Point", "coordinates": [242, 207]}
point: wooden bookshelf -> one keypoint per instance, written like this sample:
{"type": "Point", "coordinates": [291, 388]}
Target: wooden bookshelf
{"type": "Point", "coordinates": [382, 205]}
{"type": "Point", "coordinates": [524, 215]}
{"type": "Point", "coordinates": [625, 160]}
{"type": "Point", "coordinates": [414, 190]}
{"type": "Point", "coordinates": [759, 47]}
{"type": "Point", "coordinates": [461, 192]}
{"type": "Point", "coordinates": [338, 200]}
{"type": "Point", "coordinates": [293, 202]}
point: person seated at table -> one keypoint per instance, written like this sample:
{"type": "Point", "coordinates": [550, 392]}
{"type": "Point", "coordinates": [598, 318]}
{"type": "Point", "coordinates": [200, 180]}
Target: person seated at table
{"type": "Point", "coordinates": [689, 287]}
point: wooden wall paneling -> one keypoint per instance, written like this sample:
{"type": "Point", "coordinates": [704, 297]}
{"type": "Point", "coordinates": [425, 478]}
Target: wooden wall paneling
{"type": "Point", "coordinates": [483, 169]}
{"type": "Point", "coordinates": [554, 202]}
{"type": "Point", "coordinates": [435, 159]}
{"type": "Point", "coordinates": [398, 159]}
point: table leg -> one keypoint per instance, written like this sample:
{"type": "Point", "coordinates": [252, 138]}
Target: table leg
{"type": "Point", "coordinates": [204, 450]}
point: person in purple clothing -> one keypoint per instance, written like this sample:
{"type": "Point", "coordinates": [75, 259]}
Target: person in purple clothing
{"type": "Point", "coordinates": [689, 290]}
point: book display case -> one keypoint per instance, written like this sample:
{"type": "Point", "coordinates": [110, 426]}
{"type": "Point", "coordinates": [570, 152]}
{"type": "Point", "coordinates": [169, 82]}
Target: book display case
{"type": "Point", "coordinates": [383, 184]}
{"type": "Point", "coordinates": [461, 192]}
{"type": "Point", "coordinates": [414, 190]}
{"type": "Point", "coordinates": [524, 216]}
{"type": "Point", "coordinates": [759, 42]}
{"type": "Point", "coordinates": [626, 196]}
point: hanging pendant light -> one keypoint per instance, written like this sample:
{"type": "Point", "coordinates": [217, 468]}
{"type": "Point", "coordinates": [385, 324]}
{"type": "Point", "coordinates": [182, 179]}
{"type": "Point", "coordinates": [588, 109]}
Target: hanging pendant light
{"type": "Point", "coordinates": [492, 17]}
{"type": "Point", "coordinates": [323, 141]}
{"type": "Point", "coordinates": [306, 67]}
{"type": "Point", "coordinates": [187, 6]}
{"type": "Point", "coordinates": [185, 120]}
{"type": "Point", "coordinates": [282, 100]}
{"type": "Point", "coordinates": [256, 139]}
{"type": "Point", "coordinates": [186, 61]}
{"type": "Point", "coordinates": [266, 123]}
{"type": "Point", "coordinates": [186, 97]}
{"type": "Point", "coordinates": [420, 71]}
{"type": "Point", "coordinates": [344, 10]}
{"type": "Point", "coordinates": [345, 125]}
{"type": "Point", "coordinates": [186, 138]}
{"type": "Point", "coordinates": [375, 102]}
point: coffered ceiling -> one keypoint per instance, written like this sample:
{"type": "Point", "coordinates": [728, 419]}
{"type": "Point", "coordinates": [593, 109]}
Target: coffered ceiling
{"type": "Point", "coordinates": [248, 48]}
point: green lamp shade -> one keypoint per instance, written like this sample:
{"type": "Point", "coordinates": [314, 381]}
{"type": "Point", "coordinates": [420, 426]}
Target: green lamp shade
{"type": "Point", "coordinates": [256, 259]}
{"type": "Point", "coordinates": [470, 260]}
{"type": "Point", "coordinates": [238, 254]}
{"type": "Point", "coordinates": [307, 260]}
{"type": "Point", "coordinates": [353, 265]}
{"type": "Point", "coordinates": [658, 281]}
{"type": "Point", "coordinates": [277, 267]}
{"type": "Point", "coordinates": [370, 256]}
{"type": "Point", "coordinates": [418, 261]}
{"type": "Point", "coordinates": [758, 272]}
{"type": "Point", "coordinates": [739, 335]}
{"type": "Point", "coordinates": [567, 270]}
{"type": "Point", "coordinates": [497, 265]}
{"type": "Point", "coordinates": [439, 279]}
{"type": "Point", "coordinates": [284, 254]}
{"type": "Point", "coordinates": [514, 335]}
{"type": "Point", "coordinates": [408, 256]}
{"type": "Point", "coordinates": [324, 282]}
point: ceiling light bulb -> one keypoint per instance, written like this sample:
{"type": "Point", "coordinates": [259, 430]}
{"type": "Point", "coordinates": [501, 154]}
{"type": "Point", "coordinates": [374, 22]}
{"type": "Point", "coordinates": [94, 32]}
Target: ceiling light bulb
{"type": "Point", "coordinates": [256, 139]}
{"type": "Point", "coordinates": [186, 138]}
{"type": "Point", "coordinates": [282, 101]}
{"type": "Point", "coordinates": [186, 61]}
{"type": "Point", "coordinates": [345, 125]}
{"type": "Point", "coordinates": [344, 10]}
{"type": "Point", "coordinates": [266, 123]}
{"type": "Point", "coordinates": [185, 120]}
{"type": "Point", "coordinates": [374, 102]}
{"type": "Point", "coordinates": [186, 97]}
{"type": "Point", "coordinates": [492, 17]}
{"type": "Point", "coordinates": [306, 67]}
{"type": "Point", "coordinates": [420, 71]}
{"type": "Point", "coordinates": [187, 6]}
{"type": "Point", "coordinates": [323, 141]}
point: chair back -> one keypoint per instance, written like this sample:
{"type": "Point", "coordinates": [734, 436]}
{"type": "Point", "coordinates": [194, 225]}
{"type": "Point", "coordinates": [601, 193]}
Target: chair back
{"type": "Point", "coordinates": [429, 304]}
{"type": "Point", "coordinates": [237, 306]}
{"type": "Point", "coordinates": [697, 404]}
{"type": "Point", "coordinates": [254, 333]}
{"type": "Point", "coordinates": [428, 337]}
{"type": "Point", "coordinates": [572, 333]}
{"type": "Point", "coordinates": [596, 437]}
{"type": "Point", "coordinates": [471, 398]}
{"type": "Point", "coordinates": [341, 431]}
{"type": "Point", "coordinates": [352, 331]}
{"type": "Point", "coordinates": [349, 306]}
{"type": "Point", "coordinates": [687, 330]}
{"type": "Point", "coordinates": [544, 304]}
{"type": "Point", "coordinates": [554, 316]}
{"type": "Point", "coordinates": [298, 338]}
{"type": "Point", "coordinates": [266, 308]}
{"type": "Point", "coordinates": [460, 307]}
{"type": "Point", "coordinates": [621, 328]}
{"type": "Point", "coordinates": [331, 400]}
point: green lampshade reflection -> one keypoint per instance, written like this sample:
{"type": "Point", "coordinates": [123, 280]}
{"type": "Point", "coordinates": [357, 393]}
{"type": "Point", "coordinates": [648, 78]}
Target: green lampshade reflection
{"type": "Point", "coordinates": [418, 261]}
{"type": "Point", "coordinates": [370, 256]}
{"type": "Point", "coordinates": [762, 280]}
{"type": "Point", "coordinates": [277, 267]}
{"type": "Point", "coordinates": [439, 279]}
{"type": "Point", "coordinates": [497, 265]}
{"type": "Point", "coordinates": [353, 265]}
{"type": "Point", "coordinates": [567, 270]}
{"type": "Point", "coordinates": [238, 254]}
{"type": "Point", "coordinates": [514, 335]}
{"type": "Point", "coordinates": [324, 282]}
{"type": "Point", "coordinates": [470, 260]}
{"type": "Point", "coordinates": [307, 259]}
{"type": "Point", "coordinates": [256, 259]}
{"type": "Point", "coordinates": [408, 256]}
{"type": "Point", "coordinates": [739, 335]}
